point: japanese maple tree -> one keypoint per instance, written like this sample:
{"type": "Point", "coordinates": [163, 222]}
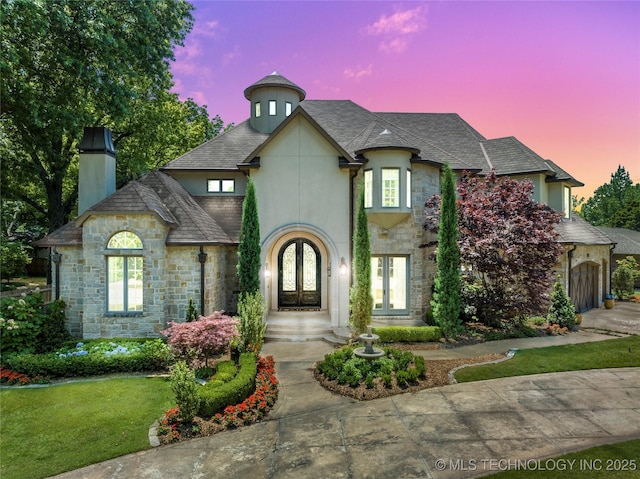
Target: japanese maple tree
{"type": "Point", "coordinates": [205, 337]}
{"type": "Point", "coordinates": [508, 248]}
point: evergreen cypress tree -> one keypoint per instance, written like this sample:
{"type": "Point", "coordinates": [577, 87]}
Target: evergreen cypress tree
{"type": "Point", "coordinates": [249, 247]}
{"type": "Point", "coordinates": [361, 299]}
{"type": "Point", "coordinates": [446, 298]}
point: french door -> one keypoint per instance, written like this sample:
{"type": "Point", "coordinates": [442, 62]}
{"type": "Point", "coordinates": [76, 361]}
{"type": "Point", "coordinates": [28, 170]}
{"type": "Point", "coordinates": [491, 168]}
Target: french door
{"type": "Point", "coordinates": [299, 277]}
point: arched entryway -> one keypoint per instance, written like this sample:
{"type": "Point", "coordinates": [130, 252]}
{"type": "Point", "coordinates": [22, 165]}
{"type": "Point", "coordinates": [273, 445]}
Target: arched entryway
{"type": "Point", "coordinates": [299, 275]}
{"type": "Point", "coordinates": [584, 286]}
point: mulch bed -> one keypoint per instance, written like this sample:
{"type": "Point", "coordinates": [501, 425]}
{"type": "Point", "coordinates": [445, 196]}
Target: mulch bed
{"type": "Point", "coordinates": [437, 375]}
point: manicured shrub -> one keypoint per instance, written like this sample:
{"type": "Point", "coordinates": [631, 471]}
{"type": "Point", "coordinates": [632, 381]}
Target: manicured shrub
{"type": "Point", "coordinates": [215, 397]}
{"type": "Point", "coordinates": [205, 337]}
{"type": "Point", "coordinates": [92, 358]}
{"type": "Point", "coordinates": [346, 368]}
{"type": "Point", "coordinates": [399, 334]}
{"type": "Point", "coordinates": [251, 312]}
{"type": "Point", "coordinates": [185, 388]}
{"type": "Point", "coordinates": [561, 310]}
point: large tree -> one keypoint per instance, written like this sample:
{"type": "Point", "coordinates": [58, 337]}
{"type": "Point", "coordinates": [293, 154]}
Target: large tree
{"type": "Point", "coordinates": [615, 204]}
{"type": "Point", "coordinates": [68, 64]}
{"type": "Point", "coordinates": [508, 247]}
{"type": "Point", "coordinates": [446, 296]}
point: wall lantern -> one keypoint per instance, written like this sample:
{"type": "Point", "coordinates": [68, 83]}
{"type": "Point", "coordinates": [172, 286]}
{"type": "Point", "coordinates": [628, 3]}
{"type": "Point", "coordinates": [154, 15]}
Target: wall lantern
{"type": "Point", "coordinates": [344, 269]}
{"type": "Point", "coordinates": [267, 271]}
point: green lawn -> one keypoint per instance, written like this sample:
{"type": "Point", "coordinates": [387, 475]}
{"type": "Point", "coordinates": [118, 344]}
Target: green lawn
{"type": "Point", "coordinates": [611, 353]}
{"type": "Point", "coordinates": [611, 461]}
{"type": "Point", "coordinates": [49, 430]}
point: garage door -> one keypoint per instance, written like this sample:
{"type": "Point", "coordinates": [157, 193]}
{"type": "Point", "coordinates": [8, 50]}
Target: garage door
{"type": "Point", "coordinates": [584, 287]}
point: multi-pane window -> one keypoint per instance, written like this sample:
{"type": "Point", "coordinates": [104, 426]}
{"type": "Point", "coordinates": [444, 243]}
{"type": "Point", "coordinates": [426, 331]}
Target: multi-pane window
{"type": "Point", "coordinates": [389, 285]}
{"type": "Point", "coordinates": [221, 186]}
{"type": "Point", "coordinates": [368, 188]}
{"type": "Point", "coordinates": [408, 189]}
{"type": "Point", "coordinates": [566, 202]}
{"type": "Point", "coordinates": [124, 273]}
{"type": "Point", "coordinates": [390, 187]}
{"type": "Point", "coordinates": [257, 109]}
{"type": "Point", "coordinates": [272, 107]}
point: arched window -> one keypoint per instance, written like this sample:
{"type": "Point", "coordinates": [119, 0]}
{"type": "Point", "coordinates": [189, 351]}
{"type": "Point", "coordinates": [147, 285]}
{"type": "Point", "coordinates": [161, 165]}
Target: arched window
{"type": "Point", "coordinates": [124, 273]}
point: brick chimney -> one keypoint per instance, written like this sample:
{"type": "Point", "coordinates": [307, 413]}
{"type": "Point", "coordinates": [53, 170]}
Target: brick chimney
{"type": "Point", "coordinates": [97, 168]}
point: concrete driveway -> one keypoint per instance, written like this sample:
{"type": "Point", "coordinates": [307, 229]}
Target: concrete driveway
{"type": "Point", "coordinates": [623, 318]}
{"type": "Point", "coordinates": [457, 431]}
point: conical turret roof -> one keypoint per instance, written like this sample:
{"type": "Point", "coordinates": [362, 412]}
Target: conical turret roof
{"type": "Point", "coordinates": [274, 80]}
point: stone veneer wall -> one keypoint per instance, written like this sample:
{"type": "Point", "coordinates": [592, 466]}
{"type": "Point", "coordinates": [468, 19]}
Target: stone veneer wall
{"type": "Point", "coordinates": [406, 238]}
{"type": "Point", "coordinates": [96, 232]}
{"type": "Point", "coordinates": [71, 286]}
{"type": "Point", "coordinates": [183, 280]}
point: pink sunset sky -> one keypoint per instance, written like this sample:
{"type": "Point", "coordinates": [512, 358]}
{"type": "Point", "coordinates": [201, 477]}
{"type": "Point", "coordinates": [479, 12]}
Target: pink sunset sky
{"type": "Point", "coordinates": [562, 77]}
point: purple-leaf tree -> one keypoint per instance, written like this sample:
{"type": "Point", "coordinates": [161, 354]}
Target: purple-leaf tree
{"type": "Point", "coordinates": [508, 248]}
{"type": "Point", "coordinates": [208, 336]}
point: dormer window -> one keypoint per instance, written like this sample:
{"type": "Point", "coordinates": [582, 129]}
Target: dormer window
{"type": "Point", "coordinates": [257, 109]}
{"type": "Point", "coordinates": [272, 108]}
{"type": "Point", "coordinates": [221, 186]}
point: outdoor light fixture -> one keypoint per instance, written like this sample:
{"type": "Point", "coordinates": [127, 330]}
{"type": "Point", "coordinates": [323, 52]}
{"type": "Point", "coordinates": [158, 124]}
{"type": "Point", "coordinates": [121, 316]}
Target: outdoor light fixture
{"type": "Point", "coordinates": [267, 271]}
{"type": "Point", "coordinates": [343, 267]}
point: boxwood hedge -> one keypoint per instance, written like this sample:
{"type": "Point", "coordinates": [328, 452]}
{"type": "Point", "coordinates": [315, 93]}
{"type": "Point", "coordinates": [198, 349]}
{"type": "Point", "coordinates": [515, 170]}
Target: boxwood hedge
{"type": "Point", "coordinates": [412, 334]}
{"type": "Point", "coordinates": [215, 396]}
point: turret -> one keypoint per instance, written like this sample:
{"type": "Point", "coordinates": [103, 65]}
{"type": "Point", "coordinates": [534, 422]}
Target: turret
{"type": "Point", "coordinates": [272, 100]}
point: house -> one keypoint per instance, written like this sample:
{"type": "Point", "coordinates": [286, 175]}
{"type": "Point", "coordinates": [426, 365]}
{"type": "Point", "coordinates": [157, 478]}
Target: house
{"type": "Point", "coordinates": [132, 259]}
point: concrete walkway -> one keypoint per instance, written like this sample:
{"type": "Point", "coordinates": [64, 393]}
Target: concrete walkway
{"type": "Point", "coordinates": [457, 431]}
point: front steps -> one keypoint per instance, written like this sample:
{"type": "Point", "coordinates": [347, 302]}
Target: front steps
{"type": "Point", "coordinates": [301, 326]}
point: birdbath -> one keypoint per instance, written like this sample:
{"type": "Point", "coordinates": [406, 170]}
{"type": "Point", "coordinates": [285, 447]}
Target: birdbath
{"type": "Point", "coordinates": [368, 351]}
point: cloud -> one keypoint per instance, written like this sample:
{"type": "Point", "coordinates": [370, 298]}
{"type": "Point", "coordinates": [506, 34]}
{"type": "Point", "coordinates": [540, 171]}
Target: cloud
{"type": "Point", "coordinates": [231, 55]}
{"type": "Point", "coordinates": [358, 73]}
{"type": "Point", "coordinates": [207, 29]}
{"type": "Point", "coordinates": [398, 28]}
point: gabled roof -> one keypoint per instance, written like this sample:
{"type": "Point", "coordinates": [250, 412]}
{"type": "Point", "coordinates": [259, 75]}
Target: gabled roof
{"type": "Point", "coordinates": [159, 194]}
{"type": "Point", "coordinates": [509, 156]}
{"type": "Point", "coordinates": [67, 235]}
{"type": "Point", "coordinates": [223, 152]}
{"type": "Point", "coordinates": [578, 231]}
{"type": "Point", "coordinates": [627, 241]}
{"type": "Point", "coordinates": [561, 175]}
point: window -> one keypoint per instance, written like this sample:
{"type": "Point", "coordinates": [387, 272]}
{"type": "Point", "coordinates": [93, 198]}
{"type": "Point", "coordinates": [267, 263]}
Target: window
{"type": "Point", "coordinates": [124, 273]}
{"type": "Point", "coordinates": [389, 285]}
{"type": "Point", "coordinates": [272, 107]}
{"type": "Point", "coordinates": [408, 189]}
{"type": "Point", "coordinates": [287, 108]}
{"type": "Point", "coordinates": [390, 187]}
{"type": "Point", "coordinates": [368, 188]}
{"type": "Point", "coordinates": [221, 186]}
{"type": "Point", "coordinates": [257, 109]}
{"type": "Point", "coordinates": [566, 202]}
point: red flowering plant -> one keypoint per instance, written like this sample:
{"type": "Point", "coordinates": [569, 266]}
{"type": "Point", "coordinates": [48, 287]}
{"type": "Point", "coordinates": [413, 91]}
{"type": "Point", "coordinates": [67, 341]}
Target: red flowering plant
{"type": "Point", "coordinates": [208, 336]}
{"type": "Point", "coordinates": [256, 406]}
{"type": "Point", "coordinates": [251, 410]}
{"type": "Point", "coordinates": [12, 378]}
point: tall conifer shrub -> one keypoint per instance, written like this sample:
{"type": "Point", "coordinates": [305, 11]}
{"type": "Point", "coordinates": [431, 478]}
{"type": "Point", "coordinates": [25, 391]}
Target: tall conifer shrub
{"type": "Point", "coordinates": [249, 247]}
{"type": "Point", "coordinates": [361, 299]}
{"type": "Point", "coordinates": [446, 297]}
